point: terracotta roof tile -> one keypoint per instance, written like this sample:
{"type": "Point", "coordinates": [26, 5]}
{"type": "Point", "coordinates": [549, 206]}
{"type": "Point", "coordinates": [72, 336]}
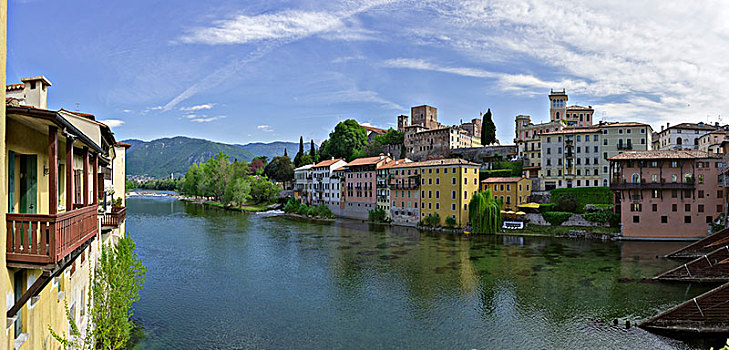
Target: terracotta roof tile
{"type": "Point", "coordinates": [365, 161]}
{"type": "Point", "coordinates": [327, 162]}
{"type": "Point", "coordinates": [501, 179]}
{"type": "Point", "coordinates": [374, 129]}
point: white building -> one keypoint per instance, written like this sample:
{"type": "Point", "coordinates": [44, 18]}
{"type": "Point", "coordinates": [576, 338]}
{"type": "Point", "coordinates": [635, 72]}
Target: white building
{"type": "Point", "coordinates": [325, 189]}
{"type": "Point", "coordinates": [683, 136]}
{"type": "Point", "coordinates": [303, 183]}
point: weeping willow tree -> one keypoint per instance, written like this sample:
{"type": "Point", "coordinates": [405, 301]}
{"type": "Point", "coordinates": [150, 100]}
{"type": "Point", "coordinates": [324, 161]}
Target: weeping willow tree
{"type": "Point", "coordinates": [485, 213]}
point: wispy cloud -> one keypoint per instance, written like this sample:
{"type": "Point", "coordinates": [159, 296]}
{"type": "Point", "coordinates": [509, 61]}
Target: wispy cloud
{"type": "Point", "coordinates": [198, 107]}
{"type": "Point", "coordinates": [264, 128]}
{"type": "Point", "coordinates": [127, 111]}
{"type": "Point", "coordinates": [203, 119]}
{"type": "Point", "coordinates": [112, 123]}
{"type": "Point", "coordinates": [345, 59]}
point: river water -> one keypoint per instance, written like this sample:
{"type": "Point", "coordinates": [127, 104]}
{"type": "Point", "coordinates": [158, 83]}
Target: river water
{"type": "Point", "coordinates": [225, 280]}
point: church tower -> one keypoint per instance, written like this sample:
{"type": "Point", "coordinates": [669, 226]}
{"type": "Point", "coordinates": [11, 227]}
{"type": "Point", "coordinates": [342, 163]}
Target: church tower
{"type": "Point", "coordinates": [557, 105]}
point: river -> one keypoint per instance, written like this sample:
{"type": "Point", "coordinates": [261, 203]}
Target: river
{"type": "Point", "coordinates": [226, 280]}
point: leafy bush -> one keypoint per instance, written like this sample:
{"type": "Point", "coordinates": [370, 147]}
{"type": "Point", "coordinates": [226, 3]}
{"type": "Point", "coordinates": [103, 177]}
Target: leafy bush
{"type": "Point", "coordinates": [515, 168]}
{"type": "Point", "coordinates": [603, 217]}
{"type": "Point", "coordinates": [450, 221]}
{"type": "Point", "coordinates": [312, 211]}
{"type": "Point", "coordinates": [303, 209]}
{"type": "Point", "coordinates": [377, 215]}
{"type": "Point", "coordinates": [598, 207]}
{"type": "Point", "coordinates": [566, 202]}
{"type": "Point", "coordinates": [556, 218]}
{"type": "Point", "coordinates": [323, 211]}
{"type": "Point", "coordinates": [543, 208]}
{"type": "Point", "coordinates": [585, 195]}
{"type": "Point", "coordinates": [291, 206]}
{"type": "Point", "coordinates": [432, 220]}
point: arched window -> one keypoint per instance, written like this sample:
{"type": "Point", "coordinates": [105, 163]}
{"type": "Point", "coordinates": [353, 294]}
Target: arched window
{"type": "Point", "coordinates": [636, 178]}
{"type": "Point", "coordinates": [679, 141]}
{"type": "Point", "coordinates": [557, 115]}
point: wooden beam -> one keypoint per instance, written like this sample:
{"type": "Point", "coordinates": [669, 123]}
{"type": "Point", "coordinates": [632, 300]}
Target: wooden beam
{"type": "Point", "coordinates": [96, 179]}
{"type": "Point", "coordinates": [86, 176]}
{"type": "Point", "coordinates": [52, 170]}
{"type": "Point", "coordinates": [69, 173]}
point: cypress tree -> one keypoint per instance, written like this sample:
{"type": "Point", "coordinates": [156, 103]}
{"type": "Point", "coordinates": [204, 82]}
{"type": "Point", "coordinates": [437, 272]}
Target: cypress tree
{"type": "Point", "coordinates": [285, 155]}
{"type": "Point", "coordinates": [297, 157]}
{"type": "Point", "coordinates": [488, 130]}
{"type": "Point", "coordinates": [312, 152]}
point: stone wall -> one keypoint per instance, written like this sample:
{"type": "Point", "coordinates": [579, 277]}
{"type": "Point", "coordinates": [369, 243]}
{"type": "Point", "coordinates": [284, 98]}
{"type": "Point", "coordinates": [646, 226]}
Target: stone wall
{"type": "Point", "coordinates": [574, 220]}
{"type": "Point", "coordinates": [476, 154]}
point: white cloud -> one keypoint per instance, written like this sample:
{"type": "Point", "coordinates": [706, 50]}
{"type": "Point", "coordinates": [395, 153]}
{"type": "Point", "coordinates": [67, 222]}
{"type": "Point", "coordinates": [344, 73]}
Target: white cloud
{"type": "Point", "coordinates": [651, 60]}
{"type": "Point", "coordinates": [192, 116]}
{"type": "Point", "coordinates": [112, 123]}
{"type": "Point", "coordinates": [127, 111]}
{"type": "Point", "coordinates": [264, 128]}
{"type": "Point", "coordinates": [203, 119]}
{"type": "Point", "coordinates": [366, 124]}
{"type": "Point", "coordinates": [198, 107]}
{"type": "Point", "coordinates": [345, 59]}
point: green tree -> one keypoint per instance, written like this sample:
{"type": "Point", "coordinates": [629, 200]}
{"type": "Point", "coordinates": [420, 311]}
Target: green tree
{"type": "Point", "coordinates": [391, 137]}
{"type": "Point", "coordinates": [216, 175]}
{"type": "Point", "coordinates": [485, 213]}
{"type": "Point", "coordinates": [323, 155]}
{"type": "Point", "coordinates": [313, 153]}
{"type": "Point", "coordinates": [297, 157]}
{"type": "Point", "coordinates": [193, 185]}
{"type": "Point", "coordinates": [280, 169]}
{"type": "Point", "coordinates": [115, 285]}
{"type": "Point", "coordinates": [263, 191]}
{"type": "Point", "coordinates": [488, 129]}
{"type": "Point", "coordinates": [237, 191]}
{"type": "Point", "coordinates": [346, 140]}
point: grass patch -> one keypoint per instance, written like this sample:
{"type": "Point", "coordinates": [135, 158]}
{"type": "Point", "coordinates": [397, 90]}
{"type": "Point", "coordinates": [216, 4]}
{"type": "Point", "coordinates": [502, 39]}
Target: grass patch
{"type": "Point", "coordinates": [248, 207]}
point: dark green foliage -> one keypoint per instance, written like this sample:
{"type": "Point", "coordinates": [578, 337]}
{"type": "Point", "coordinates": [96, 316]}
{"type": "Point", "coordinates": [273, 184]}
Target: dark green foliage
{"type": "Point", "coordinates": [515, 168]}
{"type": "Point", "coordinates": [295, 206]}
{"type": "Point", "coordinates": [485, 174]}
{"type": "Point", "coordinates": [263, 191]}
{"type": "Point", "coordinates": [130, 185]}
{"type": "Point", "coordinates": [431, 220]}
{"type": "Point", "coordinates": [603, 217]}
{"type": "Point", "coordinates": [391, 137]}
{"type": "Point", "coordinates": [488, 129]}
{"type": "Point", "coordinates": [566, 202]}
{"type": "Point", "coordinates": [450, 221]}
{"type": "Point", "coordinates": [300, 153]}
{"type": "Point", "coordinates": [323, 153]}
{"type": "Point", "coordinates": [556, 218]}
{"type": "Point", "coordinates": [377, 215]}
{"type": "Point", "coordinates": [346, 140]}
{"type": "Point", "coordinates": [313, 153]}
{"type": "Point", "coordinates": [280, 169]}
{"type": "Point", "coordinates": [585, 195]}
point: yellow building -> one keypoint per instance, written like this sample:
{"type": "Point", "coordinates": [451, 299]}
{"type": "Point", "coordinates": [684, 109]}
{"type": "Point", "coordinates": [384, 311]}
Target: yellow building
{"type": "Point", "coordinates": [446, 187]}
{"type": "Point", "coordinates": [58, 171]}
{"type": "Point", "coordinates": [512, 190]}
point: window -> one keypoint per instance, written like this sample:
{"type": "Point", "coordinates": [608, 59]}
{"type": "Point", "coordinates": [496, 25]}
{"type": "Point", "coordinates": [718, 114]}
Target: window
{"type": "Point", "coordinates": [635, 207]}
{"type": "Point", "coordinates": [719, 208]}
{"type": "Point", "coordinates": [701, 194]}
{"type": "Point", "coordinates": [674, 207]}
{"type": "Point", "coordinates": [453, 195]}
{"type": "Point", "coordinates": [654, 207]}
{"type": "Point", "coordinates": [687, 219]}
{"type": "Point", "coordinates": [655, 194]}
{"type": "Point", "coordinates": [687, 207]}
{"type": "Point", "coordinates": [664, 219]}
{"type": "Point", "coordinates": [437, 194]}
{"type": "Point", "coordinates": [636, 219]}
{"type": "Point", "coordinates": [701, 178]}
{"type": "Point", "coordinates": [701, 208]}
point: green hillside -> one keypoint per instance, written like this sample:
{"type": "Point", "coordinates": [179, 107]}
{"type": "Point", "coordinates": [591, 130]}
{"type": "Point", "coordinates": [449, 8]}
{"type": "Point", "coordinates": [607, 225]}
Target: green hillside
{"type": "Point", "coordinates": [158, 158]}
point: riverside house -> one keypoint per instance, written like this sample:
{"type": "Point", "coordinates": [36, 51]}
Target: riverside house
{"type": "Point", "coordinates": [446, 187]}
{"type": "Point", "coordinates": [325, 188]}
{"type": "Point", "coordinates": [511, 190]}
{"type": "Point", "coordinates": [360, 183]}
{"type": "Point", "coordinates": [61, 170]}
{"type": "Point", "coordinates": [667, 194]}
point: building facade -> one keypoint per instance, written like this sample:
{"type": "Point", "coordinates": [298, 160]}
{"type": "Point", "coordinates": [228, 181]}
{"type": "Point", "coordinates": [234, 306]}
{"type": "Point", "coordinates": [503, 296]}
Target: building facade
{"type": "Point", "coordinates": [684, 136]}
{"type": "Point", "coordinates": [325, 190]}
{"type": "Point", "coordinates": [711, 141]}
{"type": "Point", "coordinates": [60, 173]}
{"type": "Point", "coordinates": [570, 158]}
{"type": "Point", "coordinates": [360, 185]}
{"type": "Point", "coordinates": [667, 194]}
{"type": "Point", "coordinates": [303, 183]}
{"type": "Point", "coordinates": [511, 190]}
{"type": "Point", "coordinates": [446, 187]}
{"type": "Point", "coordinates": [404, 185]}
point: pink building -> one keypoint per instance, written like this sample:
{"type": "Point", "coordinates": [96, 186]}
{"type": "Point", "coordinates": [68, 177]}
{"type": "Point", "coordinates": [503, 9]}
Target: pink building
{"type": "Point", "coordinates": [666, 194]}
{"type": "Point", "coordinates": [360, 185]}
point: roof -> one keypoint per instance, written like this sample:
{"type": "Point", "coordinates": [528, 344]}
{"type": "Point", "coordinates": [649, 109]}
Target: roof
{"type": "Point", "coordinates": [621, 124]}
{"type": "Point", "coordinates": [373, 129]}
{"type": "Point", "coordinates": [340, 168]}
{"type": "Point", "coordinates": [583, 130]}
{"type": "Point", "coordinates": [502, 179]}
{"type": "Point", "coordinates": [37, 77]}
{"type": "Point", "coordinates": [444, 162]}
{"type": "Point", "coordinates": [85, 115]}
{"type": "Point", "coordinates": [531, 168]}
{"type": "Point", "coordinates": [397, 163]}
{"type": "Point", "coordinates": [692, 126]}
{"type": "Point", "coordinates": [304, 167]}
{"type": "Point", "coordinates": [366, 161]}
{"type": "Point", "coordinates": [576, 107]}
{"type": "Point", "coordinates": [11, 87]}
{"type": "Point", "coordinates": [327, 162]}
{"type": "Point", "coordinates": [123, 144]}
{"type": "Point", "coordinates": [663, 154]}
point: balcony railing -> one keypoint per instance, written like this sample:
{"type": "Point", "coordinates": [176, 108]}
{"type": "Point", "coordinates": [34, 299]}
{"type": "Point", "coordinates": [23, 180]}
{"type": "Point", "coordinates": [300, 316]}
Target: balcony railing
{"type": "Point", "coordinates": [622, 146]}
{"type": "Point", "coordinates": [47, 239]}
{"type": "Point", "coordinates": [115, 218]}
{"type": "Point", "coordinates": [404, 186]}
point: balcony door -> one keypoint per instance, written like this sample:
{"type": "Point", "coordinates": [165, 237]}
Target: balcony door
{"type": "Point", "coordinates": [28, 183]}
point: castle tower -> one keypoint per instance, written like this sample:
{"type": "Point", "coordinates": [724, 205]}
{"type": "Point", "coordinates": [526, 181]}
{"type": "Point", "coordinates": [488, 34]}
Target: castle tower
{"type": "Point", "coordinates": [425, 116]}
{"type": "Point", "coordinates": [402, 122]}
{"type": "Point", "coordinates": [521, 122]}
{"type": "Point", "coordinates": [557, 105]}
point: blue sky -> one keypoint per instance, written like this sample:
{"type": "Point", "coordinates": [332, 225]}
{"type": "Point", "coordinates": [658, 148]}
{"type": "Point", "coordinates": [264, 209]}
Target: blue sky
{"type": "Point", "coordinates": [241, 72]}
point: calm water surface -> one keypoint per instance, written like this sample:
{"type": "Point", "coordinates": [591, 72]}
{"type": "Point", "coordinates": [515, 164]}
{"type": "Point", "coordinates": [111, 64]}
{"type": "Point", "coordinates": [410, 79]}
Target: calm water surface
{"type": "Point", "coordinates": [224, 280]}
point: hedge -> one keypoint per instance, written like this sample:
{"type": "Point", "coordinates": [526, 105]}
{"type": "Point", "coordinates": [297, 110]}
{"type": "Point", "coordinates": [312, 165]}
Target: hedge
{"type": "Point", "coordinates": [603, 217]}
{"type": "Point", "coordinates": [485, 174]}
{"type": "Point", "coordinates": [556, 218]}
{"type": "Point", "coordinates": [543, 208]}
{"type": "Point", "coordinates": [585, 195]}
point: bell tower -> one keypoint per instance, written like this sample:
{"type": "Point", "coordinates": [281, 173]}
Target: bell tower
{"type": "Point", "coordinates": [557, 105]}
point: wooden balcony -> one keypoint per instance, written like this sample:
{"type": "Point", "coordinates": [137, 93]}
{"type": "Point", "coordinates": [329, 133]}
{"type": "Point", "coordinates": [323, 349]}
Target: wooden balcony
{"type": "Point", "coordinates": [115, 218]}
{"type": "Point", "coordinates": [47, 239]}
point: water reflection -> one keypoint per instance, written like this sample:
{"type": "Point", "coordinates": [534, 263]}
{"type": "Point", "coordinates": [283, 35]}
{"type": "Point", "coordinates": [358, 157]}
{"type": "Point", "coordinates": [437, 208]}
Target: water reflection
{"type": "Point", "coordinates": [220, 279]}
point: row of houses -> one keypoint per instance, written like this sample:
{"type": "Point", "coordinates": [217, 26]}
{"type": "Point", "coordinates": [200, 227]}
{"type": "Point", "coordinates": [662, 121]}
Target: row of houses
{"type": "Point", "coordinates": [61, 170]}
{"type": "Point", "coordinates": [406, 190]}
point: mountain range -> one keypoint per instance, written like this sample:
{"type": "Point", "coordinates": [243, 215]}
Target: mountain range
{"type": "Point", "coordinates": [162, 157]}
